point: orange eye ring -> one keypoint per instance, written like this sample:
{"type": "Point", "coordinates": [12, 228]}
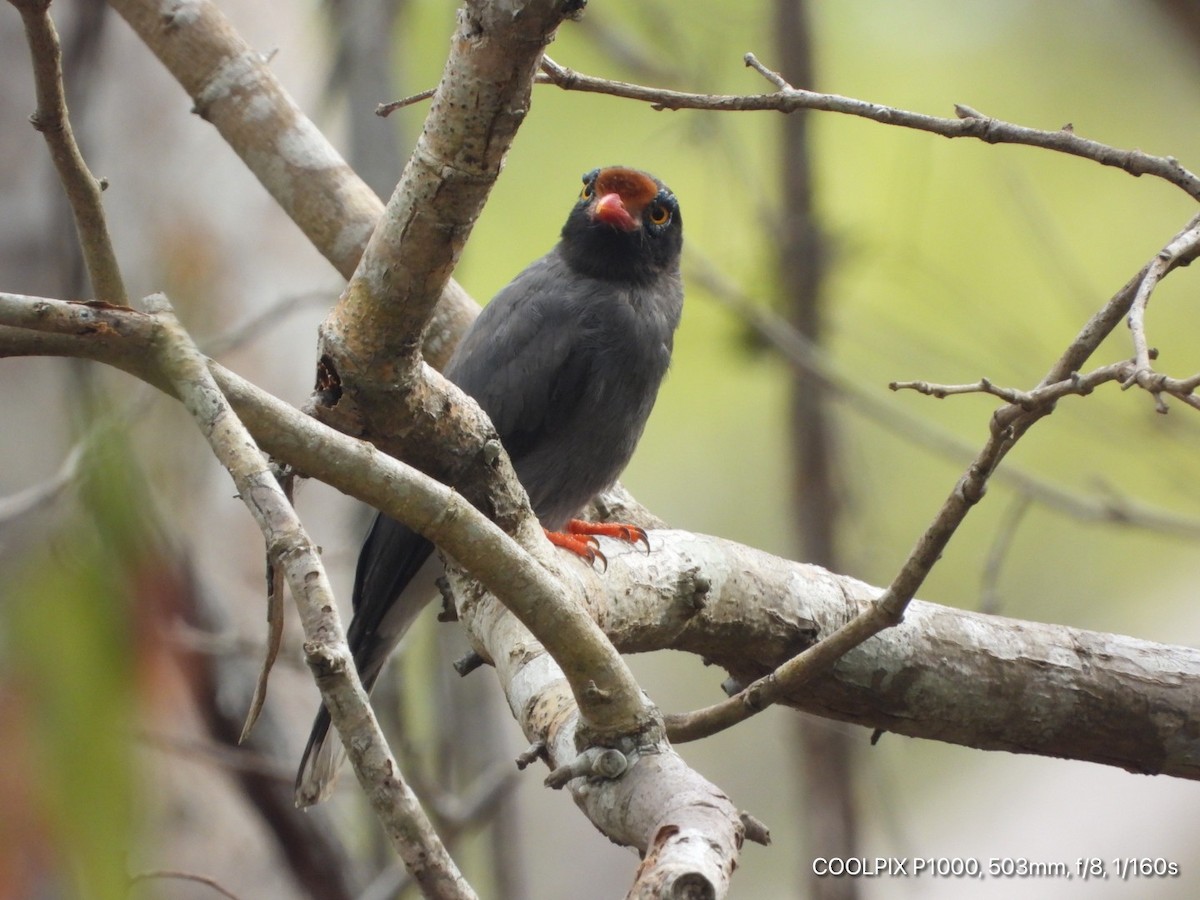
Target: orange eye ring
{"type": "Point", "coordinates": [659, 214]}
{"type": "Point", "coordinates": [588, 191]}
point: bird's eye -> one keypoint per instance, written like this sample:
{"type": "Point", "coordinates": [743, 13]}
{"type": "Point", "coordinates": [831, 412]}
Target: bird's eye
{"type": "Point", "coordinates": [588, 190]}
{"type": "Point", "coordinates": [659, 214]}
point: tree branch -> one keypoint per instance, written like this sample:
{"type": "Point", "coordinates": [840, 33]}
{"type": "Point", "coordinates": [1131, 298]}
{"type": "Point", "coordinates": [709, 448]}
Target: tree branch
{"type": "Point", "coordinates": [1008, 425]}
{"type": "Point", "coordinates": [81, 187]}
{"type": "Point", "coordinates": [292, 551]}
{"type": "Point", "coordinates": [968, 678]}
{"type": "Point", "coordinates": [969, 124]}
{"type": "Point", "coordinates": [1183, 249]}
{"type": "Point", "coordinates": [482, 99]}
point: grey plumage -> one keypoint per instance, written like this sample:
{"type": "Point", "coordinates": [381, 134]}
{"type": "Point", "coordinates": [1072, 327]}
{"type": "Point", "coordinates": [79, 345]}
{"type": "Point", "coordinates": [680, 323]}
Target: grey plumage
{"type": "Point", "coordinates": [566, 361]}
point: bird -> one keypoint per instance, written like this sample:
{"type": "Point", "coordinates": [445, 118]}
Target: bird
{"type": "Point", "coordinates": [566, 361]}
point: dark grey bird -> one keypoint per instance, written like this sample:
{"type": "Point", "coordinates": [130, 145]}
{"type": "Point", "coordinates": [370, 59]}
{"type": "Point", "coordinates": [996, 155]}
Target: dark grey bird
{"type": "Point", "coordinates": [566, 361]}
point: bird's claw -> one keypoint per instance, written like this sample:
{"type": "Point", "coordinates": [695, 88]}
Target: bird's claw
{"type": "Point", "coordinates": [620, 531]}
{"type": "Point", "coordinates": [584, 546]}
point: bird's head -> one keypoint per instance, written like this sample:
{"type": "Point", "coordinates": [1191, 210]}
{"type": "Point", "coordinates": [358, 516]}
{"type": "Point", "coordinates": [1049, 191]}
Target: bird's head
{"type": "Point", "coordinates": [626, 226]}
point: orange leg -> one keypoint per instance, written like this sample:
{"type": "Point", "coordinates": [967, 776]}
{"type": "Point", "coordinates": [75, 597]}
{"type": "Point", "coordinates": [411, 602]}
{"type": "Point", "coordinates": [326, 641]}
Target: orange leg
{"type": "Point", "coordinates": [580, 537]}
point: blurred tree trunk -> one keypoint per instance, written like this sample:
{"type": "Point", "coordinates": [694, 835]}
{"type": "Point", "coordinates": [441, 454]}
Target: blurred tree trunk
{"type": "Point", "coordinates": [367, 57]}
{"type": "Point", "coordinates": [824, 756]}
{"type": "Point", "coordinates": [1184, 19]}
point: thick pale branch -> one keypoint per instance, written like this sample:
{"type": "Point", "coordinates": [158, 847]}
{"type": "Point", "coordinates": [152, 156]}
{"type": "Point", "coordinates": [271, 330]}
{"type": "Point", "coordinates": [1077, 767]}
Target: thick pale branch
{"type": "Point", "coordinates": [482, 99]}
{"type": "Point", "coordinates": [944, 674]}
{"type": "Point", "coordinates": [683, 825]}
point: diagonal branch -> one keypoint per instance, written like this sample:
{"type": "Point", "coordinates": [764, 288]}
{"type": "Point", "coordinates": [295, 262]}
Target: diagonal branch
{"type": "Point", "coordinates": [1008, 425]}
{"type": "Point", "coordinates": [294, 553]}
{"type": "Point", "coordinates": [800, 353]}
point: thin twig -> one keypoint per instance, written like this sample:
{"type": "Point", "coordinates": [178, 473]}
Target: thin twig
{"type": "Point", "coordinates": [15, 506]}
{"type": "Point", "coordinates": [386, 109]}
{"type": "Point", "coordinates": [1184, 246]}
{"type": "Point", "coordinates": [968, 123]}
{"type": "Point", "coordinates": [801, 353]}
{"type": "Point", "coordinates": [262, 322]}
{"type": "Point", "coordinates": [81, 187]}
{"type": "Point", "coordinates": [1041, 398]}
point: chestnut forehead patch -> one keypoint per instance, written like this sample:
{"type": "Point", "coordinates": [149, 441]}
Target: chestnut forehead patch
{"type": "Point", "coordinates": [635, 188]}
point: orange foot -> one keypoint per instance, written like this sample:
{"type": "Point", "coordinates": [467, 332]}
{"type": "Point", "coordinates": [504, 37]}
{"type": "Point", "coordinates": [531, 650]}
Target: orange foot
{"type": "Point", "coordinates": [580, 537]}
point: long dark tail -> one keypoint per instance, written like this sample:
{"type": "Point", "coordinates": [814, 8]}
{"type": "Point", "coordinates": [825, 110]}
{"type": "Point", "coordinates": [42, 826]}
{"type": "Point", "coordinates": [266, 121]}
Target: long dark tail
{"type": "Point", "coordinates": [394, 581]}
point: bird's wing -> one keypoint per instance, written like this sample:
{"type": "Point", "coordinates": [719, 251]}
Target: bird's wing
{"type": "Point", "coordinates": [519, 359]}
{"type": "Point", "coordinates": [391, 557]}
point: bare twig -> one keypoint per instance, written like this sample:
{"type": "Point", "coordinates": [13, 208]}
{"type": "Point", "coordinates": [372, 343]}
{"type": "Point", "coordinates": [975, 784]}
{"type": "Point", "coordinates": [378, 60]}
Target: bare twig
{"type": "Point", "coordinates": [801, 353]}
{"type": "Point", "coordinates": [969, 123]}
{"type": "Point", "coordinates": [275, 624]}
{"type": "Point", "coordinates": [1184, 246]}
{"type": "Point", "coordinates": [410, 831]}
{"type": "Point", "coordinates": [386, 109]}
{"type": "Point", "coordinates": [81, 187]}
{"type": "Point", "coordinates": [262, 322]}
{"type": "Point", "coordinates": [1041, 398]}
{"type": "Point", "coordinates": [15, 506]}
{"type": "Point", "coordinates": [1129, 373]}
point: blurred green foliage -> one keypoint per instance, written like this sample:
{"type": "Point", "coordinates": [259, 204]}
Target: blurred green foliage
{"type": "Point", "coordinates": [71, 656]}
